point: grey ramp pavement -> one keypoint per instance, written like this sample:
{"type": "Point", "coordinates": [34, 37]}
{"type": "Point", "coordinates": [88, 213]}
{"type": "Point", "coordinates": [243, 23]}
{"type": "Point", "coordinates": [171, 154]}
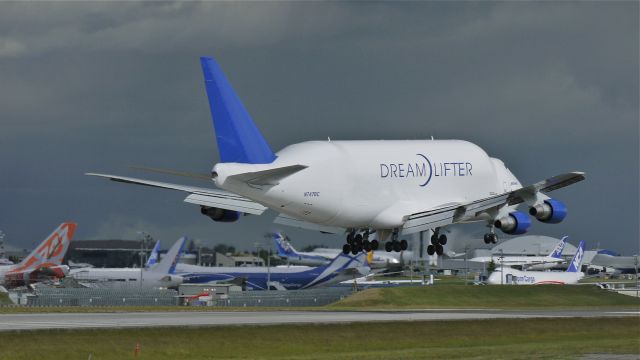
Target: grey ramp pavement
{"type": "Point", "coordinates": [10, 322]}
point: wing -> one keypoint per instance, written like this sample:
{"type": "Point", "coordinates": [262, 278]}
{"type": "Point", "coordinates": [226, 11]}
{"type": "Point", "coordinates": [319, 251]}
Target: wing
{"type": "Point", "coordinates": [288, 220]}
{"type": "Point", "coordinates": [452, 214]}
{"type": "Point", "coordinates": [198, 195]}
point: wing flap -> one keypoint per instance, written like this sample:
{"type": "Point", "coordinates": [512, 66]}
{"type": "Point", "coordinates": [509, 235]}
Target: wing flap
{"type": "Point", "coordinates": [241, 205]}
{"type": "Point", "coordinates": [198, 195]}
{"type": "Point", "coordinates": [295, 222]}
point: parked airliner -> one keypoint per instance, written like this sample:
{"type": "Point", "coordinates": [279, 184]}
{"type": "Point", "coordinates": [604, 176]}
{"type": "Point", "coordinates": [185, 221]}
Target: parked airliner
{"type": "Point", "coordinates": [342, 267]}
{"type": "Point", "coordinates": [322, 256]}
{"type": "Point", "coordinates": [545, 262]}
{"type": "Point", "coordinates": [157, 274]}
{"type": "Point", "coordinates": [361, 187]}
{"type": "Point", "coordinates": [516, 277]}
{"type": "Point", "coordinates": [45, 261]}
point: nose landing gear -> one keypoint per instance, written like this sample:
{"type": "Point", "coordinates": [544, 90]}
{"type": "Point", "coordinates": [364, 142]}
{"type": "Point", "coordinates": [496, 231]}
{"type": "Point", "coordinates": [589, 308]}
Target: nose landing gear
{"type": "Point", "coordinates": [490, 238]}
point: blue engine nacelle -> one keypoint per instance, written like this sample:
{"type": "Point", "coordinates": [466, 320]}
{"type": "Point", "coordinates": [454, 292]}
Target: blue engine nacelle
{"type": "Point", "coordinates": [550, 211]}
{"type": "Point", "coordinates": [515, 223]}
{"type": "Point", "coordinates": [220, 215]}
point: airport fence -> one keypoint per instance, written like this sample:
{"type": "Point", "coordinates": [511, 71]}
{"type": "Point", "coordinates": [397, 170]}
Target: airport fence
{"type": "Point", "coordinates": [102, 297]}
{"type": "Point", "coordinates": [48, 297]}
{"type": "Point", "coordinates": [284, 298]}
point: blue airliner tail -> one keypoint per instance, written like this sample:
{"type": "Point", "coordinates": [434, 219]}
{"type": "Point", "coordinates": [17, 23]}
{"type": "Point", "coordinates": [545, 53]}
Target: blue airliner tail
{"type": "Point", "coordinates": [283, 247]}
{"type": "Point", "coordinates": [239, 140]}
{"type": "Point", "coordinates": [576, 263]}
{"type": "Point", "coordinates": [153, 257]}
{"type": "Point", "coordinates": [557, 251]}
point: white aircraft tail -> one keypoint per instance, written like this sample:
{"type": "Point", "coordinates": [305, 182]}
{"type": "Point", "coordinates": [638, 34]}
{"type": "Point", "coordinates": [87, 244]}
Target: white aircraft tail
{"type": "Point", "coordinates": [168, 263]}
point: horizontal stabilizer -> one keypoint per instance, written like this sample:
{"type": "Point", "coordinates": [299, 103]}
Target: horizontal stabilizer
{"type": "Point", "coordinates": [268, 177]}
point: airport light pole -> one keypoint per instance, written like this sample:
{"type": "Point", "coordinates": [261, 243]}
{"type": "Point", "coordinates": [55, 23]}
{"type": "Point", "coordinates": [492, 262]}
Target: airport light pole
{"type": "Point", "coordinates": [143, 251]}
{"type": "Point", "coordinates": [501, 267]}
{"type": "Point", "coordinates": [258, 246]}
{"type": "Point", "coordinates": [466, 265]}
{"type": "Point", "coordinates": [635, 261]}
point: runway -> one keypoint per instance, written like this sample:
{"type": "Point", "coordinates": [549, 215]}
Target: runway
{"type": "Point", "coordinates": [9, 322]}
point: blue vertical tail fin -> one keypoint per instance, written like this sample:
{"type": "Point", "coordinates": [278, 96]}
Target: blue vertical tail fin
{"type": "Point", "coordinates": [283, 246]}
{"type": "Point", "coordinates": [239, 140]}
{"type": "Point", "coordinates": [153, 257]}
{"type": "Point", "coordinates": [557, 251]}
{"type": "Point", "coordinates": [576, 263]}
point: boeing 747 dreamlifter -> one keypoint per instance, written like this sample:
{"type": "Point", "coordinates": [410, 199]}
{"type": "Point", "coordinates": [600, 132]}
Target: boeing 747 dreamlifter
{"type": "Point", "coordinates": [361, 187]}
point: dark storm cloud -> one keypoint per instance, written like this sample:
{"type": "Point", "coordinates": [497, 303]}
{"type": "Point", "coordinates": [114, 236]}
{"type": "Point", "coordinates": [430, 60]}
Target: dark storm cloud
{"type": "Point", "coordinates": [547, 87]}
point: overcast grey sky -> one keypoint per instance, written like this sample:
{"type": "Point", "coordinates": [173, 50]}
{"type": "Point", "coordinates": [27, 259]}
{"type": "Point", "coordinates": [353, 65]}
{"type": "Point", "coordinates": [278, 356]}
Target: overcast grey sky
{"type": "Point", "coordinates": [548, 87]}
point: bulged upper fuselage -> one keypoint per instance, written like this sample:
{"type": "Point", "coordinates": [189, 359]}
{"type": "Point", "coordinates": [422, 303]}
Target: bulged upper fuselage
{"type": "Point", "coordinates": [359, 184]}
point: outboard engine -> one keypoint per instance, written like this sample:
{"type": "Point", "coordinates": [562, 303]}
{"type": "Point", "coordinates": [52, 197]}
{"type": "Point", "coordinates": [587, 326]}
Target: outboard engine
{"type": "Point", "coordinates": [220, 215]}
{"type": "Point", "coordinates": [550, 211]}
{"type": "Point", "coordinates": [515, 223]}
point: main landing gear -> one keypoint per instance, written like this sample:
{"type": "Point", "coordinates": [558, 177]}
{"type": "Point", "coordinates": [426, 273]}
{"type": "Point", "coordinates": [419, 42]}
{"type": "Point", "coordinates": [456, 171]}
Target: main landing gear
{"type": "Point", "coordinates": [394, 244]}
{"type": "Point", "coordinates": [357, 242]}
{"type": "Point", "coordinates": [437, 242]}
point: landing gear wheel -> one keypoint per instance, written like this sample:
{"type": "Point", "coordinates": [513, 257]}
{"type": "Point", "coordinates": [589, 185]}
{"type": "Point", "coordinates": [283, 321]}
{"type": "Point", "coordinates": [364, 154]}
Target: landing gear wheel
{"type": "Point", "coordinates": [442, 239]}
{"type": "Point", "coordinates": [346, 248]}
{"type": "Point", "coordinates": [490, 238]}
{"type": "Point", "coordinates": [357, 239]}
{"type": "Point", "coordinates": [431, 249]}
{"type": "Point", "coordinates": [487, 238]}
{"type": "Point", "coordinates": [404, 245]}
{"type": "Point", "coordinates": [434, 239]}
{"type": "Point", "coordinates": [350, 238]}
{"type": "Point", "coordinates": [396, 246]}
{"type": "Point", "coordinates": [388, 246]}
{"type": "Point", "coordinates": [354, 250]}
{"type": "Point", "coordinates": [366, 245]}
{"type": "Point", "coordinates": [374, 245]}
{"type": "Point", "coordinates": [439, 249]}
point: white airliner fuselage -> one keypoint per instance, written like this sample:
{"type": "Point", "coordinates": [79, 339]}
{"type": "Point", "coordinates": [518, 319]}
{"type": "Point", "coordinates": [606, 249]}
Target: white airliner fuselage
{"type": "Point", "coordinates": [360, 184]}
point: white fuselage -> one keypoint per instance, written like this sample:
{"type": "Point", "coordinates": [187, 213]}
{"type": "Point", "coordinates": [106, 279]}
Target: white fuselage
{"type": "Point", "coordinates": [517, 277]}
{"type": "Point", "coordinates": [543, 262]}
{"type": "Point", "coordinates": [372, 184]}
{"type": "Point", "coordinates": [124, 278]}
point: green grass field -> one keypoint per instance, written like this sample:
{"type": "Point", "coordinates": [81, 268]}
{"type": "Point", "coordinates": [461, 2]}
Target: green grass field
{"type": "Point", "coordinates": [496, 297]}
{"type": "Point", "coordinates": [4, 299]}
{"type": "Point", "coordinates": [482, 339]}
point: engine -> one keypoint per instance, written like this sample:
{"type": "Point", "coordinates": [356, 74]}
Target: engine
{"type": "Point", "coordinates": [220, 215]}
{"type": "Point", "coordinates": [515, 223]}
{"type": "Point", "coordinates": [550, 211]}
